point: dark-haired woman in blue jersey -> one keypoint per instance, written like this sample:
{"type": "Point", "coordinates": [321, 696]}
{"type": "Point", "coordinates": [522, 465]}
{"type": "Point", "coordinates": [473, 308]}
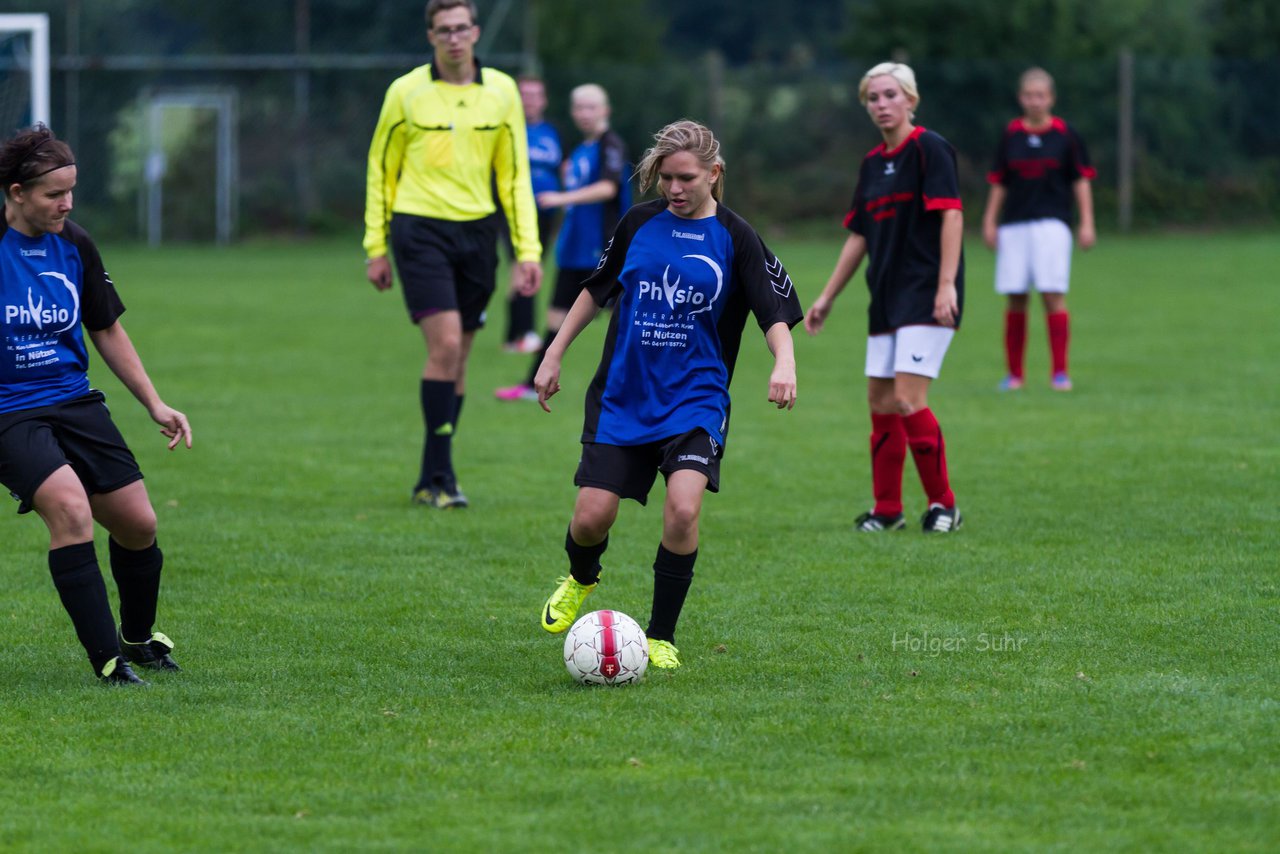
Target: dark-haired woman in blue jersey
{"type": "Point", "coordinates": [686, 272]}
{"type": "Point", "coordinates": [60, 453]}
{"type": "Point", "coordinates": [906, 217]}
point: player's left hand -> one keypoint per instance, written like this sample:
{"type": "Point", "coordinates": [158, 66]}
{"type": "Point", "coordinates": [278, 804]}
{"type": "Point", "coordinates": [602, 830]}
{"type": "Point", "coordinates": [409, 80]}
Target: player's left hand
{"type": "Point", "coordinates": [528, 278]}
{"type": "Point", "coordinates": [1086, 236]}
{"type": "Point", "coordinates": [946, 306]}
{"type": "Point", "coordinates": [782, 388]}
{"type": "Point", "coordinates": [173, 424]}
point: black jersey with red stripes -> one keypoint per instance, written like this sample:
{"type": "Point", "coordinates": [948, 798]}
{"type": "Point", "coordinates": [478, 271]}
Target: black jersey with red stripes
{"type": "Point", "coordinates": [1037, 168]}
{"type": "Point", "coordinates": [897, 208]}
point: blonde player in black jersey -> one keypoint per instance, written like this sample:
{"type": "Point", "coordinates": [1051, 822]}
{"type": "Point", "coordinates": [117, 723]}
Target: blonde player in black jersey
{"type": "Point", "coordinates": [448, 134]}
{"type": "Point", "coordinates": [906, 218]}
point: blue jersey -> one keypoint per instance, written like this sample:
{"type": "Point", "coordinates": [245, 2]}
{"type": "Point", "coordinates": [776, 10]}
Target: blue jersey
{"type": "Point", "coordinates": [49, 286]}
{"type": "Point", "coordinates": [684, 289]}
{"type": "Point", "coordinates": [587, 227]}
{"type": "Point", "coordinates": [545, 154]}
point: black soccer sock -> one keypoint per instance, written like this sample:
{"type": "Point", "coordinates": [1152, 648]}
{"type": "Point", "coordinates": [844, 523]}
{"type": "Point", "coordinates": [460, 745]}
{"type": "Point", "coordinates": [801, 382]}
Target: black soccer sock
{"type": "Point", "coordinates": [672, 575]}
{"type": "Point", "coordinates": [84, 595]}
{"type": "Point", "coordinates": [519, 317]}
{"type": "Point", "coordinates": [584, 561]}
{"type": "Point", "coordinates": [457, 411]}
{"type": "Point", "coordinates": [137, 575]}
{"type": "Point", "coordinates": [439, 407]}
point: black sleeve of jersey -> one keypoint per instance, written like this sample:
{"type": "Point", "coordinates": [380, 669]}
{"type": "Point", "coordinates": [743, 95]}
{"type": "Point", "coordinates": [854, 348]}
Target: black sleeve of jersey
{"type": "Point", "coordinates": [940, 183]}
{"type": "Point", "coordinates": [1000, 164]}
{"type": "Point", "coordinates": [770, 294]}
{"type": "Point", "coordinates": [613, 158]}
{"type": "Point", "coordinates": [100, 305]}
{"type": "Point", "coordinates": [603, 283]}
{"type": "Point", "coordinates": [1080, 165]}
{"type": "Point", "coordinates": [853, 220]}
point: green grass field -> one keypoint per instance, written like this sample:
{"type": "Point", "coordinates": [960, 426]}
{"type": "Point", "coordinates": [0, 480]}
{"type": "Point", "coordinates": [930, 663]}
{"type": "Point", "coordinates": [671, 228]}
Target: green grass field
{"type": "Point", "coordinates": [1089, 665]}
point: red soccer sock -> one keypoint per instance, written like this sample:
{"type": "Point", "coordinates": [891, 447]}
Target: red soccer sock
{"type": "Point", "coordinates": [930, 453]}
{"type": "Point", "coordinates": [1015, 341]}
{"type": "Point", "coordinates": [888, 458]}
{"type": "Point", "coordinates": [1059, 338]}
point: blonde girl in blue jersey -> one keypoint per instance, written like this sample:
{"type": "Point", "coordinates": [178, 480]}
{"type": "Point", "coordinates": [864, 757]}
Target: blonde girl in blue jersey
{"type": "Point", "coordinates": [686, 272]}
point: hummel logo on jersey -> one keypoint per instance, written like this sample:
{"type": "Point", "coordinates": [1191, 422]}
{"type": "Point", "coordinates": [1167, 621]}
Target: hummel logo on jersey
{"type": "Point", "coordinates": [782, 286]}
{"type": "Point", "coordinates": [685, 458]}
{"type": "Point", "coordinates": [35, 253]}
{"type": "Point", "coordinates": [605, 254]}
{"type": "Point", "coordinates": [1034, 141]}
{"type": "Point", "coordinates": [888, 168]}
{"type": "Point", "coordinates": [687, 235]}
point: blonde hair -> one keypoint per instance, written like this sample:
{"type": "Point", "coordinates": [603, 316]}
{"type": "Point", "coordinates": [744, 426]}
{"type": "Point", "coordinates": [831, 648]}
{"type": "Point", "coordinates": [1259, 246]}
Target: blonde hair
{"type": "Point", "coordinates": [1036, 73]}
{"type": "Point", "coordinates": [684, 135]}
{"type": "Point", "coordinates": [902, 73]}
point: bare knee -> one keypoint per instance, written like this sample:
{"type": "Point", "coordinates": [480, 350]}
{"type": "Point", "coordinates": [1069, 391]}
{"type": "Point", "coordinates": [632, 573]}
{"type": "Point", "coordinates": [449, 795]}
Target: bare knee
{"type": "Point", "coordinates": [67, 515]}
{"type": "Point", "coordinates": [680, 519]}
{"type": "Point", "coordinates": [136, 532]}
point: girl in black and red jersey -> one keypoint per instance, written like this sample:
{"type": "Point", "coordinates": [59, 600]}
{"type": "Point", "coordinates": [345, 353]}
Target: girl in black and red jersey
{"type": "Point", "coordinates": [1041, 166]}
{"type": "Point", "coordinates": [906, 217]}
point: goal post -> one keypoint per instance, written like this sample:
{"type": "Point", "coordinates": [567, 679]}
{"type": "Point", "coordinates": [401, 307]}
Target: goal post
{"type": "Point", "coordinates": [24, 71]}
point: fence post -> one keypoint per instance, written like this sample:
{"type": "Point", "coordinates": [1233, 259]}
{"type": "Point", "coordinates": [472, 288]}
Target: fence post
{"type": "Point", "coordinates": [1124, 145]}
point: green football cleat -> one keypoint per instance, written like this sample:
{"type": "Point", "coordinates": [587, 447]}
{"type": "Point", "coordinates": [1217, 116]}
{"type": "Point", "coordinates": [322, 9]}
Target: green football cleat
{"type": "Point", "coordinates": [562, 608]}
{"type": "Point", "coordinates": [117, 672]}
{"type": "Point", "coordinates": [153, 653]}
{"type": "Point", "coordinates": [663, 654]}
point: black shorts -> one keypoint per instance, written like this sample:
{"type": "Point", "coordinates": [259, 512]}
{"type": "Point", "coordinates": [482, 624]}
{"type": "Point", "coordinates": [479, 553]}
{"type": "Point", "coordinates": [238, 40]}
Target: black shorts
{"type": "Point", "coordinates": [568, 286]}
{"type": "Point", "coordinates": [446, 266]}
{"type": "Point", "coordinates": [34, 443]}
{"type": "Point", "coordinates": [629, 471]}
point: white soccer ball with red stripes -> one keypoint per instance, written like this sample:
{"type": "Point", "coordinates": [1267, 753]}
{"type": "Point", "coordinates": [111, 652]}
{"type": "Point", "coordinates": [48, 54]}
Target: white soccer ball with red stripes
{"type": "Point", "coordinates": [606, 648]}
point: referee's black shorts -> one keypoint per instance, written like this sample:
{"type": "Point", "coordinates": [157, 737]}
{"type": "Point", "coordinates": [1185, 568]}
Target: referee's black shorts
{"type": "Point", "coordinates": [34, 443]}
{"type": "Point", "coordinates": [446, 266]}
{"type": "Point", "coordinates": [629, 471]}
{"type": "Point", "coordinates": [569, 286]}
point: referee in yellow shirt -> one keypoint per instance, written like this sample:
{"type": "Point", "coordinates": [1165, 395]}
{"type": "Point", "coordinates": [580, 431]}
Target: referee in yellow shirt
{"type": "Point", "coordinates": [448, 133]}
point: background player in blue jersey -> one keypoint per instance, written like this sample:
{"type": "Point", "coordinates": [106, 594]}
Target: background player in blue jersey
{"type": "Point", "coordinates": [685, 271]}
{"type": "Point", "coordinates": [906, 217]}
{"type": "Point", "coordinates": [60, 453]}
{"type": "Point", "coordinates": [1040, 167]}
{"type": "Point", "coordinates": [594, 198]}
{"type": "Point", "coordinates": [545, 156]}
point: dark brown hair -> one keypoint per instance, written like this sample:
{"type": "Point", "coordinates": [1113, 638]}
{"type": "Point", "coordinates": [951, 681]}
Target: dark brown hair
{"type": "Point", "coordinates": [30, 154]}
{"type": "Point", "coordinates": [436, 6]}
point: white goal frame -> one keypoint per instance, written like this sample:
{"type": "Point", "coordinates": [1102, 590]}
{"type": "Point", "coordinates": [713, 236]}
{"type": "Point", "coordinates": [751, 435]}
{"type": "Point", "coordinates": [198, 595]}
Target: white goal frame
{"type": "Point", "coordinates": [38, 26]}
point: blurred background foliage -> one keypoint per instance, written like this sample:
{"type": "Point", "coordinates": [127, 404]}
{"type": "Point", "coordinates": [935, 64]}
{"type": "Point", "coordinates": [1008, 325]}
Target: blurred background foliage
{"type": "Point", "coordinates": [778, 82]}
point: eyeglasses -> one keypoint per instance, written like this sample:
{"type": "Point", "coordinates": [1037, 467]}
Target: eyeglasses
{"type": "Point", "coordinates": [448, 34]}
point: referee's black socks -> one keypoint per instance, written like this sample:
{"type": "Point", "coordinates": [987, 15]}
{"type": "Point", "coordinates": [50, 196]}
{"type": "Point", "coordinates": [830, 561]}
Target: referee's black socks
{"type": "Point", "coordinates": [84, 595]}
{"type": "Point", "coordinates": [439, 409]}
{"type": "Point", "coordinates": [137, 575]}
{"type": "Point", "coordinates": [672, 575]}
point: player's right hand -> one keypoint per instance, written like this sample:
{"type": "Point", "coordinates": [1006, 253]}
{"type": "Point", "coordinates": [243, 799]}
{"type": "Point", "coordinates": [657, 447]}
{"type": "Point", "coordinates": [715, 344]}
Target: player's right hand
{"type": "Point", "coordinates": [378, 270]}
{"type": "Point", "coordinates": [817, 316]}
{"type": "Point", "coordinates": [547, 381]}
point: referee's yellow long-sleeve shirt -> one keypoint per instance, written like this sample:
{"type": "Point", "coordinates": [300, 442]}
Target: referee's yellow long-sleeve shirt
{"type": "Point", "coordinates": [436, 149]}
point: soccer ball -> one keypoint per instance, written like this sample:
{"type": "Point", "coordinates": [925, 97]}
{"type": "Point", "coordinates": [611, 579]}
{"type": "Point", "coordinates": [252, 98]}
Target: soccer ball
{"type": "Point", "coordinates": [606, 648]}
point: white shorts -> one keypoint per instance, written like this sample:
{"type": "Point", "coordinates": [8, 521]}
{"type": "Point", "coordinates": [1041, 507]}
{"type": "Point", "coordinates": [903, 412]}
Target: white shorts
{"type": "Point", "coordinates": [908, 350]}
{"type": "Point", "coordinates": [1036, 252]}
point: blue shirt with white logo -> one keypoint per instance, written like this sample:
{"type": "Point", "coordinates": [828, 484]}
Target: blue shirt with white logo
{"type": "Point", "coordinates": [545, 154]}
{"type": "Point", "coordinates": [49, 286]}
{"type": "Point", "coordinates": [684, 289]}
{"type": "Point", "coordinates": [587, 227]}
